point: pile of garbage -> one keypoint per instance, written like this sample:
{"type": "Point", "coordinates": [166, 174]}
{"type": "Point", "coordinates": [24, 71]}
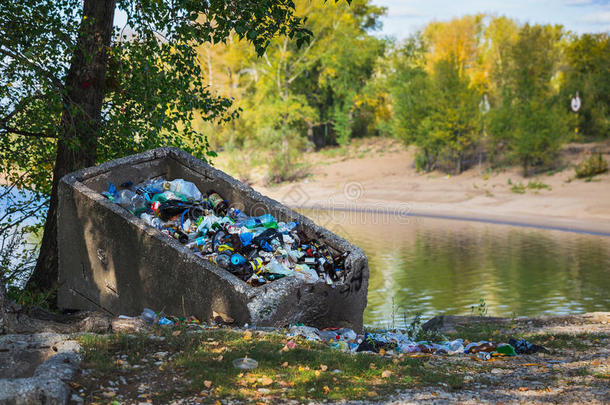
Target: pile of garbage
{"type": "Point", "coordinates": [390, 342]}
{"type": "Point", "coordinates": [399, 341]}
{"type": "Point", "coordinates": [256, 249]}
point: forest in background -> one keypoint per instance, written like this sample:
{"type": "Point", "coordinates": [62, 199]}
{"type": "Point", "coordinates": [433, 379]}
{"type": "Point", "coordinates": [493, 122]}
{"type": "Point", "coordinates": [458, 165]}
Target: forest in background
{"type": "Point", "coordinates": [476, 88]}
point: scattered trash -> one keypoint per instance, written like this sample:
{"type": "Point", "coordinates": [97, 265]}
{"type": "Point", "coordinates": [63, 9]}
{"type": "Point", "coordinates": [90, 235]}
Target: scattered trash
{"type": "Point", "coordinates": [522, 346]}
{"type": "Point", "coordinates": [245, 363]}
{"type": "Point", "coordinates": [256, 249]}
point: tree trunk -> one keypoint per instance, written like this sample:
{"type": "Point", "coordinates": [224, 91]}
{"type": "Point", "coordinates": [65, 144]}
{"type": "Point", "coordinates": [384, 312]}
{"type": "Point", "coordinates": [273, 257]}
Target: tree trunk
{"type": "Point", "coordinates": [82, 106]}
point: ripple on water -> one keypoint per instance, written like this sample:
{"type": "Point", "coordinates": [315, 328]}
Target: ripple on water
{"type": "Point", "coordinates": [432, 266]}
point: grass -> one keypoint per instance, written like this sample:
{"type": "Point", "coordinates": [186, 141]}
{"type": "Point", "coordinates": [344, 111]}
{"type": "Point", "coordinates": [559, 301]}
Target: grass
{"type": "Point", "coordinates": [520, 188]}
{"type": "Point", "coordinates": [538, 185]}
{"type": "Point", "coordinates": [202, 365]}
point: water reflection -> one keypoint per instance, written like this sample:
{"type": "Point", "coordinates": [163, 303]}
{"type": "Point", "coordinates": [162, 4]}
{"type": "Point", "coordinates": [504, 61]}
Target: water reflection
{"type": "Point", "coordinates": [434, 266]}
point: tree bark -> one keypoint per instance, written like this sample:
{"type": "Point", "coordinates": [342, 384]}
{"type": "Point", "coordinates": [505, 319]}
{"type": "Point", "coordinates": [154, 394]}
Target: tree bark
{"type": "Point", "coordinates": [82, 106]}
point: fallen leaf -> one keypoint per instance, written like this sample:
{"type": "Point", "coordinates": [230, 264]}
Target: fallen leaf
{"type": "Point", "coordinates": [109, 394]}
{"type": "Point", "coordinates": [207, 383]}
{"type": "Point", "coordinates": [381, 352]}
{"type": "Point", "coordinates": [323, 367]}
{"type": "Point", "coordinates": [386, 374]}
{"type": "Point", "coordinates": [219, 358]}
{"type": "Point", "coordinates": [176, 332]}
{"type": "Point", "coordinates": [285, 364]}
{"type": "Point", "coordinates": [247, 335]}
{"type": "Point", "coordinates": [326, 390]}
{"type": "Point", "coordinates": [371, 394]}
{"type": "Point", "coordinates": [266, 381]}
{"type": "Point", "coordinates": [372, 366]}
{"type": "Point", "coordinates": [523, 388]}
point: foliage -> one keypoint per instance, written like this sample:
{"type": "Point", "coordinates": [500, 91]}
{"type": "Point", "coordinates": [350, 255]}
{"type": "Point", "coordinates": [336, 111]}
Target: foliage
{"type": "Point", "coordinates": [593, 165]}
{"type": "Point", "coordinates": [481, 308]}
{"type": "Point", "coordinates": [437, 110]}
{"type": "Point", "coordinates": [18, 233]}
{"type": "Point", "coordinates": [314, 94]}
{"type": "Point", "coordinates": [586, 74]}
{"type": "Point", "coordinates": [527, 121]}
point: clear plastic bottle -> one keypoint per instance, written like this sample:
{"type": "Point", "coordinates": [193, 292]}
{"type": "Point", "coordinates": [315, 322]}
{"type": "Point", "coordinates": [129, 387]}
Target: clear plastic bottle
{"type": "Point", "coordinates": [149, 316]}
{"type": "Point", "coordinates": [132, 201]}
{"type": "Point", "coordinates": [152, 220]}
{"type": "Point", "coordinates": [186, 188]}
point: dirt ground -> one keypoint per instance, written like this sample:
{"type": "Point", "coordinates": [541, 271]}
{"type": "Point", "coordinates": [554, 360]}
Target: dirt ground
{"type": "Point", "coordinates": [379, 174]}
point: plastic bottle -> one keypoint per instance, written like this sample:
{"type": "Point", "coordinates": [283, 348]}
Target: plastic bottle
{"type": "Point", "coordinates": [149, 316]}
{"type": "Point", "coordinates": [266, 220]}
{"type": "Point", "coordinates": [276, 267]}
{"type": "Point", "coordinates": [131, 201]}
{"type": "Point", "coordinates": [186, 188]}
{"type": "Point", "coordinates": [151, 220]}
{"type": "Point", "coordinates": [200, 241]}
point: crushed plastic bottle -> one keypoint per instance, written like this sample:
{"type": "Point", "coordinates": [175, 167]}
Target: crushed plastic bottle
{"type": "Point", "coordinates": [186, 188]}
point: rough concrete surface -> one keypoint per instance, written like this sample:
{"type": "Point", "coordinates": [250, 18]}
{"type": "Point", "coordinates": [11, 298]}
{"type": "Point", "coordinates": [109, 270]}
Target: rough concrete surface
{"type": "Point", "coordinates": [35, 368]}
{"type": "Point", "coordinates": [112, 261]}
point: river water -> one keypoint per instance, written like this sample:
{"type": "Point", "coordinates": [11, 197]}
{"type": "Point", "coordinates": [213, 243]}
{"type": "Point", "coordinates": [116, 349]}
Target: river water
{"type": "Point", "coordinates": [439, 266]}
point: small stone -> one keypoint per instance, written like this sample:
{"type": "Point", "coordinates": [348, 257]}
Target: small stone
{"type": "Point", "coordinates": [264, 391]}
{"type": "Point", "coordinates": [496, 371]}
{"type": "Point", "coordinates": [160, 355]}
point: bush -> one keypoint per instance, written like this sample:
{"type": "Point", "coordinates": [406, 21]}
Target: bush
{"type": "Point", "coordinates": [593, 165]}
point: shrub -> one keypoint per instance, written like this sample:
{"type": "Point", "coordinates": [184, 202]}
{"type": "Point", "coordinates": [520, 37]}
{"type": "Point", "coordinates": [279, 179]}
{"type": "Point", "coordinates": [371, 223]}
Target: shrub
{"type": "Point", "coordinates": [593, 165]}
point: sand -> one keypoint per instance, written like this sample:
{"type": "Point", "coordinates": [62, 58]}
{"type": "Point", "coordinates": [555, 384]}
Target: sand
{"type": "Point", "coordinates": [378, 174]}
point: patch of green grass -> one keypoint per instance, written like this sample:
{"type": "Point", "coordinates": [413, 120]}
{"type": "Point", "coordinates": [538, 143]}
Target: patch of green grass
{"type": "Point", "coordinates": [518, 188]}
{"type": "Point", "coordinates": [563, 341]}
{"type": "Point", "coordinates": [538, 185]}
{"type": "Point", "coordinates": [202, 362]}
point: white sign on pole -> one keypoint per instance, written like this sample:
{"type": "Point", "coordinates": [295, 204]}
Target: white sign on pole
{"type": "Point", "coordinates": [576, 103]}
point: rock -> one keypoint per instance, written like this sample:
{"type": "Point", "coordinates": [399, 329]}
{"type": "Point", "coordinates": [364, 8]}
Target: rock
{"type": "Point", "coordinates": [48, 383]}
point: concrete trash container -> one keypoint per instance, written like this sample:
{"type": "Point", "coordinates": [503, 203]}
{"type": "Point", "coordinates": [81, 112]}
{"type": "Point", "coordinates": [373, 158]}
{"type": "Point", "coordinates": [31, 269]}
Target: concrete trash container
{"type": "Point", "coordinates": [110, 260]}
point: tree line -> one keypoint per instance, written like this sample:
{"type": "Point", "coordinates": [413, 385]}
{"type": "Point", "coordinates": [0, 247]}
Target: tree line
{"type": "Point", "coordinates": [476, 88]}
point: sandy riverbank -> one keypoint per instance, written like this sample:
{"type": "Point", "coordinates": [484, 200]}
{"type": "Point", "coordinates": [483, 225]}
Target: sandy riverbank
{"type": "Point", "coordinates": [378, 174]}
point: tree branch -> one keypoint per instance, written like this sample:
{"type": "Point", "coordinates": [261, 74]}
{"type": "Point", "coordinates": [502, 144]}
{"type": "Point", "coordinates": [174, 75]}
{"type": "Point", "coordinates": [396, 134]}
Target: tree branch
{"type": "Point", "coordinates": [24, 60]}
{"type": "Point", "coordinates": [16, 131]}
